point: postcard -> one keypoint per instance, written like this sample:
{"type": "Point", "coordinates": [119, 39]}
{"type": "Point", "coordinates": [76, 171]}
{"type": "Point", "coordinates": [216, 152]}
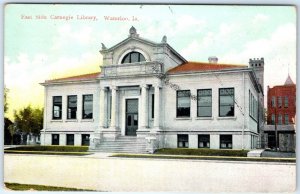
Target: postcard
{"type": "Point", "coordinates": [150, 97]}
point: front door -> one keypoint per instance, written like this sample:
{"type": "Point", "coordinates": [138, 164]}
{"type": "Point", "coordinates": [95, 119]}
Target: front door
{"type": "Point", "coordinates": [132, 106]}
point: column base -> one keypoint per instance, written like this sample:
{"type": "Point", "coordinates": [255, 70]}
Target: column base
{"type": "Point", "coordinates": [142, 132]}
{"type": "Point", "coordinates": [152, 142]}
{"type": "Point", "coordinates": [95, 140]}
{"type": "Point", "coordinates": [155, 130]}
{"type": "Point", "coordinates": [111, 133]}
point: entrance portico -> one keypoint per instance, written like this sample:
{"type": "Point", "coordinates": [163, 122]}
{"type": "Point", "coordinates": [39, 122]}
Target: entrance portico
{"type": "Point", "coordinates": [126, 110]}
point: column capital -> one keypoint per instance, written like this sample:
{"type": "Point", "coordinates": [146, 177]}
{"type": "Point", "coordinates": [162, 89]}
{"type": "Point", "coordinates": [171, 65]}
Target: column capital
{"type": "Point", "coordinates": [113, 87]}
{"type": "Point", "coordinates": [157, 85]}
{"type": "Point", "coordinates": [103, 88]}
{"type": "Point", "coordinates": [143, 86]}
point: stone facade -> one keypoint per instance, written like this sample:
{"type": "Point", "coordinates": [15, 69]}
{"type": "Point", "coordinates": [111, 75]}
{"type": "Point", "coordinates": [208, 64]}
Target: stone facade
{"type": "Point", "coordinates": [138, 93]}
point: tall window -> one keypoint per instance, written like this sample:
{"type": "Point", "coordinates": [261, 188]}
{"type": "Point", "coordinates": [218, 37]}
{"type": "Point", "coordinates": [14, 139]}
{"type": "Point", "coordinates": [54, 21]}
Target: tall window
{"type": "Point", "coordinates": [204, 103]}
{"type": "Point", "coordinates": [87, 106]}
{"type": "Point", "coordinates": [152, 106]}
{"type": "Point", "coordinates": [279, 101]}
{"type": "Point", "coordinates": [203, 141]}
{"type": "Point", "coordinates": [72, 107]}
{"type": "Point", "coordinates": [250, 102]}
{"type": "Point", "coordinates": [253, 106]}
{"type": "Point", "coordinates": [273, 101]}
{"type": "Point", "coordinates": [226, 141]}
{"type": "Point", "coordinates": [57, 105]}
{"type": "Point", "coordinates": [286, 101]}
{"type": "Point", "coordinates": [133, 57]}
{"type": "Point", "coordinates": [279, 119]}
{"type": "Point", "coordinates": [183, 103]}
{"type": "Point", "coordinates": [226, 102]}
{"type": "Point", "coordinates": [273, 119]}
{"type": "Point", "coordinates": [183, 141]}
{"type": "Point", "coordinates": [286, 119]}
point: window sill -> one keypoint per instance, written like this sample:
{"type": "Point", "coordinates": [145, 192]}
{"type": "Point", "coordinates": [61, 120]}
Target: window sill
{"type": "Point", "coordinates": [226, 118]}
{"type": "Point", "coordinates": [57, 121]}
{"type": "Point", "coordinates": [71, 120]}
{"type": "Point", "coordinates": [204, 118]}
{"type": "Point", "coordinates": [87, 120]}
{"type": "Point", "coordinates": [183, 118]}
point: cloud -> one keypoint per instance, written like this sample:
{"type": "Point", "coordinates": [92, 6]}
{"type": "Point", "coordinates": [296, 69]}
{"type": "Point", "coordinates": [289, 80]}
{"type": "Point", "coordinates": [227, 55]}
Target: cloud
{"type": "Point", "coordinates": [278, 50]}
{"type": "Point", "coordinates": [23, 76]}
{"type": "Point", "coordinates": [66, 35]}
{"type": "Point", "coordinates": [185, 23]}
{"type": "Point", "coordinates": [192, 49]}
{"type": "Point", "coordinates": [260, 18]}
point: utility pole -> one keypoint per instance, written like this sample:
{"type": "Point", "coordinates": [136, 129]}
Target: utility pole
{"type": "Point", "coordinates": [276, 103]}
{"type": "Point", "coordinates": [276, 138]}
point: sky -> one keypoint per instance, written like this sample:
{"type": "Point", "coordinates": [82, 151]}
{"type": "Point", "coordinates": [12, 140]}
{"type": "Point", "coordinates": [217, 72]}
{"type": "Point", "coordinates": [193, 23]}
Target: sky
{"type": "Point", "coordinates": [37, 49]}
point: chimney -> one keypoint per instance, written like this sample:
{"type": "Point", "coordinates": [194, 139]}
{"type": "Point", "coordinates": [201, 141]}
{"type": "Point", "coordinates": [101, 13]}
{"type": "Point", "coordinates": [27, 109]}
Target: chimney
{"type": "Point", "coordinates": [213, 59]}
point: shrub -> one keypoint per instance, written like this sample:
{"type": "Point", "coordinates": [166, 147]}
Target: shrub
{"type": "Point", "coordinates": [202, 152]}
{"type": "Point", "coordinates": [52, 148]}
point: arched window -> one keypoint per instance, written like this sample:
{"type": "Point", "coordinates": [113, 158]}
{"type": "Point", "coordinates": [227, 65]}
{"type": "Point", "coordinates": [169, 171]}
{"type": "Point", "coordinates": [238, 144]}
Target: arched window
{"type": "Point", "coordinates": [133, 57]}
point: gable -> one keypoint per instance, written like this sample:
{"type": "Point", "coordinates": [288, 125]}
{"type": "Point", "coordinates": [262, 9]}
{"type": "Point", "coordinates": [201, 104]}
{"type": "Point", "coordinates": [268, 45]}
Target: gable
{"type": "Point", "coordinates": [152, 51]}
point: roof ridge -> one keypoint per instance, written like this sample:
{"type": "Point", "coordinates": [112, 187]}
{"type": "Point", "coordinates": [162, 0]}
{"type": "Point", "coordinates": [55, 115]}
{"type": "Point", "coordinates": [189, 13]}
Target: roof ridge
{"type": "Point", "coordinates": [203, 66]}
{"type": "Point", "coordinates": [208, 63]}
{"type": "Point", "coordinates": [74, 76]}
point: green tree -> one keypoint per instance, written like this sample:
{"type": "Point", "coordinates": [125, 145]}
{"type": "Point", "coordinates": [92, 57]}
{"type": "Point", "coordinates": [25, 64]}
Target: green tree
{"type": "Point", "coordinates": [29, 120]}
{"type": "Point", "coordinates": [7, 121]}
{"type": "Point", "coordinates": [5, 99]}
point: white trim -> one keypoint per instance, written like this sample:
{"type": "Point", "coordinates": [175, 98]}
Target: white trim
{"type": "Point", "coordinates": [56, 121]}
{"type": "Point", "coordinates": [87, 120]}
{"type": "Point", "coordinates": [204, 118]}
{"type": "Point", "coordinates": [183, 118]}
{"type": "Point", "coordinates": [226, 118]}
{"type": "Point", "coordinates": [71, 120]}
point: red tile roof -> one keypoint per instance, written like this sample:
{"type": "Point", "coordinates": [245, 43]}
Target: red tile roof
{"type": "Point", "coordinates": [200, 66]}
{"type": "Point", "coordinates": [76, 78]}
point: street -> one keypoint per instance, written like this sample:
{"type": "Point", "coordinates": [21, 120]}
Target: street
{"type": "Point", "coordinates": [99, 172]}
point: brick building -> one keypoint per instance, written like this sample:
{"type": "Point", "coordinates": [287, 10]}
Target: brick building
{"type": "Point", "coordinates": [282, 103]}
{"type": "Point", "coordinates": [282, 114]}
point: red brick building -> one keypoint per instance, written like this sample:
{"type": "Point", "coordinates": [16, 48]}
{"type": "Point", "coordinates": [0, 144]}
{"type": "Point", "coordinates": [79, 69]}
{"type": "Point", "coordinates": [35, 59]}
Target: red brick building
{"type": "Point", "coordinates": [281, 116]}
{"type": "Point", "coordinates": [282, 103]}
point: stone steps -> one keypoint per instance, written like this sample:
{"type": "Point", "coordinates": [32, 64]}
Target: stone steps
{"type": "Point", "coordinates": [122, 145]}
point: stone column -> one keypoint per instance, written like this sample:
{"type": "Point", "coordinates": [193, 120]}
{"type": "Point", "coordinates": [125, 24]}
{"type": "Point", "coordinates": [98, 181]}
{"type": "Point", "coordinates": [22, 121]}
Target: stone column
{"type": "Point", "coordinates": [156, 107]}
{"type": "Point", "coordinates": [102, 111]}
{"type": "Point", "coordinates": [143, 109]}
{"type": "Point", "coordinates": [113, 107]}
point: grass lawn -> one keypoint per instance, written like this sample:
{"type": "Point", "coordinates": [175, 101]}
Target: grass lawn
{"type": "Point", "coordinates": [202, 152]}
{"type": "Point", "coordinates": [193, 157]}
{"type": "Point", "coordinates": [56, 150]}
{"type": "Point", "coordinates": [26, 187]}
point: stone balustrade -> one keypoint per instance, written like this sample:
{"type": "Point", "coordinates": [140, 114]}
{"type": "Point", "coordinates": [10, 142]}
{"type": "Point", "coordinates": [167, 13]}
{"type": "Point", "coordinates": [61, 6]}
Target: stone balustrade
{"type": "Point", "coordinates": [146, 68]}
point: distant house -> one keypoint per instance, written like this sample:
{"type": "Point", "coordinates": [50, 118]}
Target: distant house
{"type": "Point", "coordinates": [282, 115]}
{"type": "Point", "coordinates": [148, 96]}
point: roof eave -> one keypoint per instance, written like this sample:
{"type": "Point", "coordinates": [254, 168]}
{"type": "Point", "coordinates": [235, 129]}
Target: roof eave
{"type": "Point", "coordinates": [209, 71]}
{"type": "Point", "coordinates": [68, 82]}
